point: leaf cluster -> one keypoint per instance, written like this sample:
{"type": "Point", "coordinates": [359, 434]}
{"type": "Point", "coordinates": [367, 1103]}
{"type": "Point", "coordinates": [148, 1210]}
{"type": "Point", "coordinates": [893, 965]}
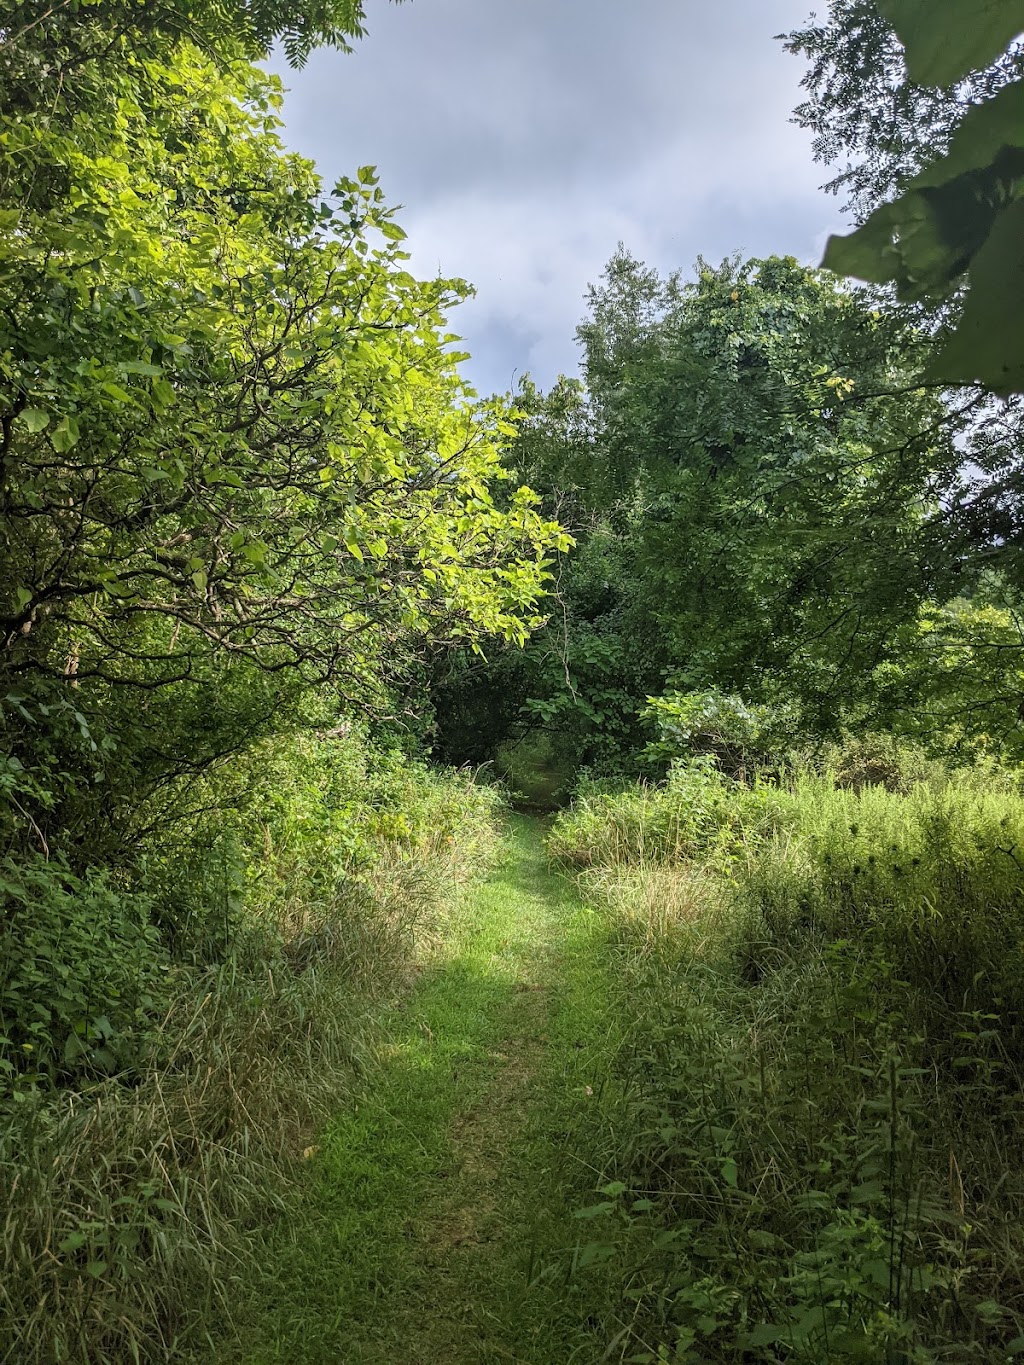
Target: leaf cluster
{"type": "Point", "coordinates": [960, 214]}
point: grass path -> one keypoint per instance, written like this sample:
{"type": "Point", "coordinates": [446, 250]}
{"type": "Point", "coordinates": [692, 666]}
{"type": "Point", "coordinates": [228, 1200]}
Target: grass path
{"type": "Point", "coordinates": [440, 1228]}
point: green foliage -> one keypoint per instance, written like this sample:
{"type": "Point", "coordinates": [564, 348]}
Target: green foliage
{"type": "Point", "coordinates": [955, 689]}
{"type": "Point", "coordinates": [222, 27]}
{"type": "Point", "coordinates": [758, 487]}
{"type": "Point", "coordinates": [880, 760]}
{"type": "Point", "coordinates": [240, 465]}
{"type": "Point", "coordinates": [873, 125]}
{"type": "Point", "coordinates": [131, 1200]}
{"type": "Point", "coordinates": [738, 735]}
{"type": "Point", "coordinates": [83, 974]}
{"type": "Point", "coordinates": [778, 515]}
{"type": "Point", "coordinates": [695, 811]}
{"type": "Point", "coordinates": [945, 41]}
{"type": "Point", "coordinates": [535, 771]}
{"type": "Point", "coordinates": [600, 654]}
{"type": "Point", "coordinates": [961, 214]}
{"type": "Point", "coordinates": [334, 818]}
{"type": "Point", "coordinates": [346, 491]}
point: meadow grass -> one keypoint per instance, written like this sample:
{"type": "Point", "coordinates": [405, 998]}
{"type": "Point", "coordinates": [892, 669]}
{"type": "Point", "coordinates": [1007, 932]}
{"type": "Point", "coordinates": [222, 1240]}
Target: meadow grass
{"type": "Point", "coordinates": [135, 1205]}
{"type": "Point", "coordinates": [437, 1223]}
{"type": "Point", "coordinates": [819, 1085]}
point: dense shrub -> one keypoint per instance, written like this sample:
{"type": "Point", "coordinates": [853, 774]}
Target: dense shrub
{"type": "Point", "coordinates": [739, 735]}
{"type": "Point", "coordinates": [931, 880]}
{"type": "Point", "coordinates": [83, 974]}
{"type": "Point", "coordinates": [691, 813]}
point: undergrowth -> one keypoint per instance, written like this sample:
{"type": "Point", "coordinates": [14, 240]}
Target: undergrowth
{"type": "Point", "coordinates": [820, 1086]}
{"type": "Point", "coordinates": [151, 1127]}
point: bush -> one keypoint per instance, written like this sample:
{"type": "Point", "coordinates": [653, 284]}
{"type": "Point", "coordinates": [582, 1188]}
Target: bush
{"type": "Point", "coordinates": [83, 974]}
{"type": "Point", "coordinates": [931, 880]}
{"type": "Point", "coordinates": [696, 813]}
{"type": "Point", "coordinates": [739, 735]}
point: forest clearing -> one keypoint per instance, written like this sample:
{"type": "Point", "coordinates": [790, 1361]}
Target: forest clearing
{"type": "Point", "coordinates": [534, 877]}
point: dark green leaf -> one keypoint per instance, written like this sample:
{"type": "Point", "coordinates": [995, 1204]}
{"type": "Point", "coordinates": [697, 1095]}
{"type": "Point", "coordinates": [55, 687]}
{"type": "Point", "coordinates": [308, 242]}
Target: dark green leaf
{"type": "Point", "coordinates": [988, 345]}
{"type": "Point", "coordinates": [984, 131]}
{"type": "Point", "coordinates": [946, 39]}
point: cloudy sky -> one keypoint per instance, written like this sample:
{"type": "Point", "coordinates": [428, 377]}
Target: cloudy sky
{"type": "Point", "coordinates": [524, 141]}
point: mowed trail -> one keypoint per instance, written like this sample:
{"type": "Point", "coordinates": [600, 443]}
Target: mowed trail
{"type": "Point", "coordinates": [440, 1229]}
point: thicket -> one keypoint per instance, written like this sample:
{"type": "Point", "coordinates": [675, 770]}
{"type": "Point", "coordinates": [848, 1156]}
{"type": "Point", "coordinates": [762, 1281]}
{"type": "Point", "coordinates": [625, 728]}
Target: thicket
{"type": "Point", "coordinates": [818, 1091]}
{"type": "Point", "coordinates": [769, 506]}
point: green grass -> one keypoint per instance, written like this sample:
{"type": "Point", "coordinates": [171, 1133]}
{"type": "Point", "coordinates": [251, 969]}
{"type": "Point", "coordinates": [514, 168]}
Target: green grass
{"type": "Point", "coordinates": [136, 1206]}
{"type": "Point", "coordinates": [812, 1157]}
{"type": "Point", "coordinates": [438, 1224]}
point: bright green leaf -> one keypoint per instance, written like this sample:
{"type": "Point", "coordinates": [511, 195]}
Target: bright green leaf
{"type": "Point", "coordinates": [66, 435]}
{"type": "Point", "coordinates": [163, 393]}
{"type": "Point", "coordinates": [35, 419]}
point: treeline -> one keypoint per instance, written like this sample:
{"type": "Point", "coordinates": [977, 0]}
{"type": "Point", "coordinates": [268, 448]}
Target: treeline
{"type": "Point", "coordinates": [769, 505]}
{"type": "Point", "coordinates": [789, 490]}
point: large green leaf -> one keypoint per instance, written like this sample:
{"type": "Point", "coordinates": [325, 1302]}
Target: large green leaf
{"type": "Point", "coordinates": [986, 129]}
{"type": "Point", "coordinates": [870, 252]}
{"type": "Point", "coordinates": [922, 243]}
{"type": "Point", "coordinates": [945, 39]}
{"type": "Point", "coordinates": [953, 220]}
{"type": "Point", "coordinates": [988, 345]}
{"type": "Point", "coordinates": [34, 419]}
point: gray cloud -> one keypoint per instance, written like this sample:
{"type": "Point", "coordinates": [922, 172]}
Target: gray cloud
{"type": "Point", "coordinates": [525, 141]}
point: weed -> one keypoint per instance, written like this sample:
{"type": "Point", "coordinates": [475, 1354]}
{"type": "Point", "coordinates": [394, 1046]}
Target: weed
{"type": "Point", "coordinates": [821, 1075]}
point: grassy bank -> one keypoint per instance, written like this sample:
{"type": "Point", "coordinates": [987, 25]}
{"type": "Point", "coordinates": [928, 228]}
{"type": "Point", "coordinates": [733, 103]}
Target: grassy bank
{"type": "Point", "coordinates": [821, 1072]}
{"type": "Point", "coordinates": [140, 1179]}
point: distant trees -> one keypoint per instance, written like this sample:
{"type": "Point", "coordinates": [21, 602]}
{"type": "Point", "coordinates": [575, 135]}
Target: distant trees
{"type": "Point", "coordinates": [761, 490]}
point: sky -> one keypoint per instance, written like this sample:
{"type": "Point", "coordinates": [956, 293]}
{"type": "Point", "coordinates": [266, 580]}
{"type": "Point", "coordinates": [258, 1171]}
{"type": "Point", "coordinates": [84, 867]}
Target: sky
{"type": "Point", "coordinates": [526, 141]}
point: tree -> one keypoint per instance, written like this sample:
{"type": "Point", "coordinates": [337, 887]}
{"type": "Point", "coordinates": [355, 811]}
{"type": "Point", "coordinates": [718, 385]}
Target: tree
{"type": "Point", "coordinates": [874, 125]}
{"type": "Point", "coordinates": [237, 456]}
{"type": "Point", "coordinates": [784, 471]}
{"type": "Point", "coordinates": [762, 493]}
{"type": "Point", "coordinates": [72, 30]}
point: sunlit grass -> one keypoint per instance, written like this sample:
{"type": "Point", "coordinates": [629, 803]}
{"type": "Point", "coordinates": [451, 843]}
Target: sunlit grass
{"type": "Point", "coordinates": [438, 1224]}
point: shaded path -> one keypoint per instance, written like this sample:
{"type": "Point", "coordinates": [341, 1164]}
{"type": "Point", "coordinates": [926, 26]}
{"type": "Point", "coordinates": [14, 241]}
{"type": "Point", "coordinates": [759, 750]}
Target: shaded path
{"type": "Point", "coordinates": [440, 1229]}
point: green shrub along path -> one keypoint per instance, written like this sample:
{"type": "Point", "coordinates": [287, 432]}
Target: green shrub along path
{"type": "Point", "coordinates": [439, 1226]}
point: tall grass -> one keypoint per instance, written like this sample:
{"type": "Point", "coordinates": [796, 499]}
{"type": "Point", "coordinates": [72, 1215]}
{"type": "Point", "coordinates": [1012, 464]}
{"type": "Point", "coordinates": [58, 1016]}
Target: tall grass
{"type": "Point", "coordinates": [134, 1204]}
{"type": "Point", "coordinates": [821, 1085]}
